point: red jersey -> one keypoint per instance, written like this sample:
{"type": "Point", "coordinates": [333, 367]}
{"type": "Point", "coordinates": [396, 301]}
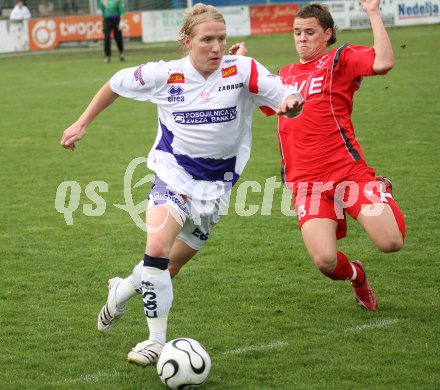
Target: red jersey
{"type": "Point", "coordinates": [322, 140]}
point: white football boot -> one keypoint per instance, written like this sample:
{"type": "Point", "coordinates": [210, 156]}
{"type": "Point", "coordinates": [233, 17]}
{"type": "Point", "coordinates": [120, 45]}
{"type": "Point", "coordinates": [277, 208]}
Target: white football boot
{"type": "Point", "coordinates": [111, 312]}
{"type": "Point", "coordinates": [145, 353]}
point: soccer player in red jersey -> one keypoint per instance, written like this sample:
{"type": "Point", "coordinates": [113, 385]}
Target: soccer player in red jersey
{"type": "Point", "coordinates": [323, 163]}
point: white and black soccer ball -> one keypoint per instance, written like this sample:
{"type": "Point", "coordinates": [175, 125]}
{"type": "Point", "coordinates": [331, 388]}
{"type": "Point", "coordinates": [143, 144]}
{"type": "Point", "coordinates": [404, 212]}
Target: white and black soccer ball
{"type": "Point", "coordinates": [183, 364]}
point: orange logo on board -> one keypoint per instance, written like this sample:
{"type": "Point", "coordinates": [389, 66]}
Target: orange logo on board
{"type": "Point", "coordinates": [176, 78]}
{"type": "Point", "coordinates": [230, 71]}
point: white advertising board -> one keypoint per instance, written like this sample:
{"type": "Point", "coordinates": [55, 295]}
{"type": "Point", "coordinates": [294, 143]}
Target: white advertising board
{"type": "Point", "coordinates": [411, 12]}
{"type": "Point", "coordinates": [160, 26]}
{"type": "Point", "coordinates": [350, 15]}
{"type": "Point", "coordinates": [14, 36]}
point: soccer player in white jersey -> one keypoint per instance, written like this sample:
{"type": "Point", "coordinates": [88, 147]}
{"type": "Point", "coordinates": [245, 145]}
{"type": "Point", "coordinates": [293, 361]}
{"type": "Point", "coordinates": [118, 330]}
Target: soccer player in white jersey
{"type": "Point", "coordinates": [205, 103]}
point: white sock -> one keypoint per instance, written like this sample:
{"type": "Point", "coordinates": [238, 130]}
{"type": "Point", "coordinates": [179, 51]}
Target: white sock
{"type": "Point", "coordinates": [136, 277]}
{"type": "Point", "coordinates": [157, 294]}
{"type": "Point", "coordinates": [124, 292]}
{"type": "Point", "coordinates": [158, 329]}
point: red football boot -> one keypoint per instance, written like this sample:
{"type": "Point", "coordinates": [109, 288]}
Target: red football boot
{"type": "Point", "coordinates": [363, 293]}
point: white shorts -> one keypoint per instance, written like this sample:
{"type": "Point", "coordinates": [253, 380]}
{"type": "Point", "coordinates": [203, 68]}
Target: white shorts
{"type": "Point", "coordinates": [199, 217]}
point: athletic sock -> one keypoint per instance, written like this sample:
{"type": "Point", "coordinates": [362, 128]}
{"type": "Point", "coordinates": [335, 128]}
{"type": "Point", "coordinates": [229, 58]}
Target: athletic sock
{"type": "Point", "coordinates": [158, 329]}
{"type": "Point", "coordinates": [400, 219]}
{"type": "Point", "coordinates": [343, 270]}
{"type": "Point", "coordinates": [124, 292]}
{"type": "Point", "coordinates": [136, 277]}
{"type": "Point", "coordinates": [157, 294]}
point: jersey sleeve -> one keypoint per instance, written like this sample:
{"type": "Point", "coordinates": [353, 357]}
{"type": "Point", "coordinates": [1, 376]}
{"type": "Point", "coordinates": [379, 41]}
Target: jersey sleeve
{"type": "Point", "coordinates": [268, 90]}
{"type": "Point", "coordinates": [136, 83]}
{"type": "Point", "coordinates": [358, 61]}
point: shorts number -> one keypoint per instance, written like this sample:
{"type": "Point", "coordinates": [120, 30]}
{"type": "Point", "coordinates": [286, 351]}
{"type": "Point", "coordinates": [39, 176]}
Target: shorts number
{"type": "Point", "coordinates": [199, 234]}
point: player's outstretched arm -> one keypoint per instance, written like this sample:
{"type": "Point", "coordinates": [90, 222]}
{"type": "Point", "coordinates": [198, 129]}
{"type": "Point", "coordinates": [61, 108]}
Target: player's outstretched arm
{"type": "Point", "coordinates": [384, 56]}
{"type": "Point", "coordinates": [77, 130]}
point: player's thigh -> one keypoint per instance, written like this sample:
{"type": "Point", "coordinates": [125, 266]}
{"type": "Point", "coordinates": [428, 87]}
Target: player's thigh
{"type": "Point", "coordinates": [380, 224]}
{"type": "Point", "coordinates": [319, 235]}
{"type": "Point", "coordinates": [163, 225]}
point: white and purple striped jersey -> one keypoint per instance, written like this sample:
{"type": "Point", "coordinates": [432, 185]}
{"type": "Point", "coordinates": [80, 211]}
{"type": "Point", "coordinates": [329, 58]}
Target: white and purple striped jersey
{"type": "Point", "coordinates": [204, 125]}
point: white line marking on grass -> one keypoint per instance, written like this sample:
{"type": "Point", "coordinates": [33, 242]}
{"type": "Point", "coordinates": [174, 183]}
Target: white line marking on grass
{"type": "Point", "coordinates": [414, 141]}
{"type": "Point", "coordinates": [378, 324]}
{"type": "Point", "coordinates": [252, 348]}
{"type": "Point", "coordinates": [93, 377]}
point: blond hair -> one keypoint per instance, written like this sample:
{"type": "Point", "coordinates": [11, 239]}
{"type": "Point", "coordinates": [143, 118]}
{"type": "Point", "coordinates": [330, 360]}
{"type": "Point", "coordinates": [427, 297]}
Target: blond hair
{"type": "Point", "coordinates": [194, 16]}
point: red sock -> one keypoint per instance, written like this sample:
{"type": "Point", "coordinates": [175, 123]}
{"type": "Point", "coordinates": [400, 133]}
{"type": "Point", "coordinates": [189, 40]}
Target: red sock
{"type": "Point", "coordinates": [343, 270]}
{"type": "Point", "coordinates": [400, 219]}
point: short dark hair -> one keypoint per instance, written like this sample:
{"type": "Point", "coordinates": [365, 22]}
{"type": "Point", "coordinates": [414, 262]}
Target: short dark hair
{"type": "Point", "coordinates": [323, 15]}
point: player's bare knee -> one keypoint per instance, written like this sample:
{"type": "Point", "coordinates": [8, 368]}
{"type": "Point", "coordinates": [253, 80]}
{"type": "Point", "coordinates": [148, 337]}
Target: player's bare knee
{"type": "Point", "coordinates": [393, 243]}
{"type": "Point", "coordinates": [324, 262]}
{"type": "Point", "coordinates": [158, 248]}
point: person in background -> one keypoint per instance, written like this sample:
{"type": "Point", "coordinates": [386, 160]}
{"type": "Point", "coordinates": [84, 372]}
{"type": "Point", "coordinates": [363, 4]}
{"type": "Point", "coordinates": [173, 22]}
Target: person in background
{"type": "Point", "coordinates": [112, 20]}
{"type": "Point", "coordinates": [45, 8]}
{"type": "Point", "coordinates": [17, 29]}
{"type": "Point", "coordinates": [70, 7]}
{"type": "Point", "coordinates": [20, 13]}
{"type": "Point", "coordinates": [205, 106]}
{"type": "Point", "coordinates": [322, 161]}
{"type": "Point", "coordinates": [18, 34]}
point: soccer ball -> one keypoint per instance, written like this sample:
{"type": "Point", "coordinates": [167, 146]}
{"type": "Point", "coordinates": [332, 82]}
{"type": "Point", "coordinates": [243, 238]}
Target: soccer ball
{"type": "Point", "coordinates": [183, 364]}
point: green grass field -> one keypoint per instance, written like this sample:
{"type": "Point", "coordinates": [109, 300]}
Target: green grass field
{"type": "Point", "coordinates": [251, 296]}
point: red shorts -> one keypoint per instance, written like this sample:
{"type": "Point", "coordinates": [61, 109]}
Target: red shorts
{"type": "Point", "coordinates": [333, 196]}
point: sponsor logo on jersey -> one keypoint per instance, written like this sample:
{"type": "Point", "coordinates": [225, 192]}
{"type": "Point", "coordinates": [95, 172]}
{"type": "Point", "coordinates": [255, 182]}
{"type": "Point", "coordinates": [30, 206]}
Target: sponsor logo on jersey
{"type": "Point", "coordinates": [229, 71]}
{"type": "Point", "coordinates": [231, 61]}
{"type": "Point", "coordinates": [176, 78]}
{"type": "Point", "coordinates": [176, 92]}
{"type": "Point", "coordinates": [322, 61]}
{"type": "Point", "coordinates": [310, 85]}
{"type": "Point", "coordinates": [229, 87]}
{"type": "Point", "coordinates": [205, 116]}
{"type": "Point", "coordinates": [138, 75]}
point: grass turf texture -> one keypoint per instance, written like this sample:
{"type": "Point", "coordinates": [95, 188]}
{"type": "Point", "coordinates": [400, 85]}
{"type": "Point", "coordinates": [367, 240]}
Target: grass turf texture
{"type": "Point", "coordinates": [252, 296]}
